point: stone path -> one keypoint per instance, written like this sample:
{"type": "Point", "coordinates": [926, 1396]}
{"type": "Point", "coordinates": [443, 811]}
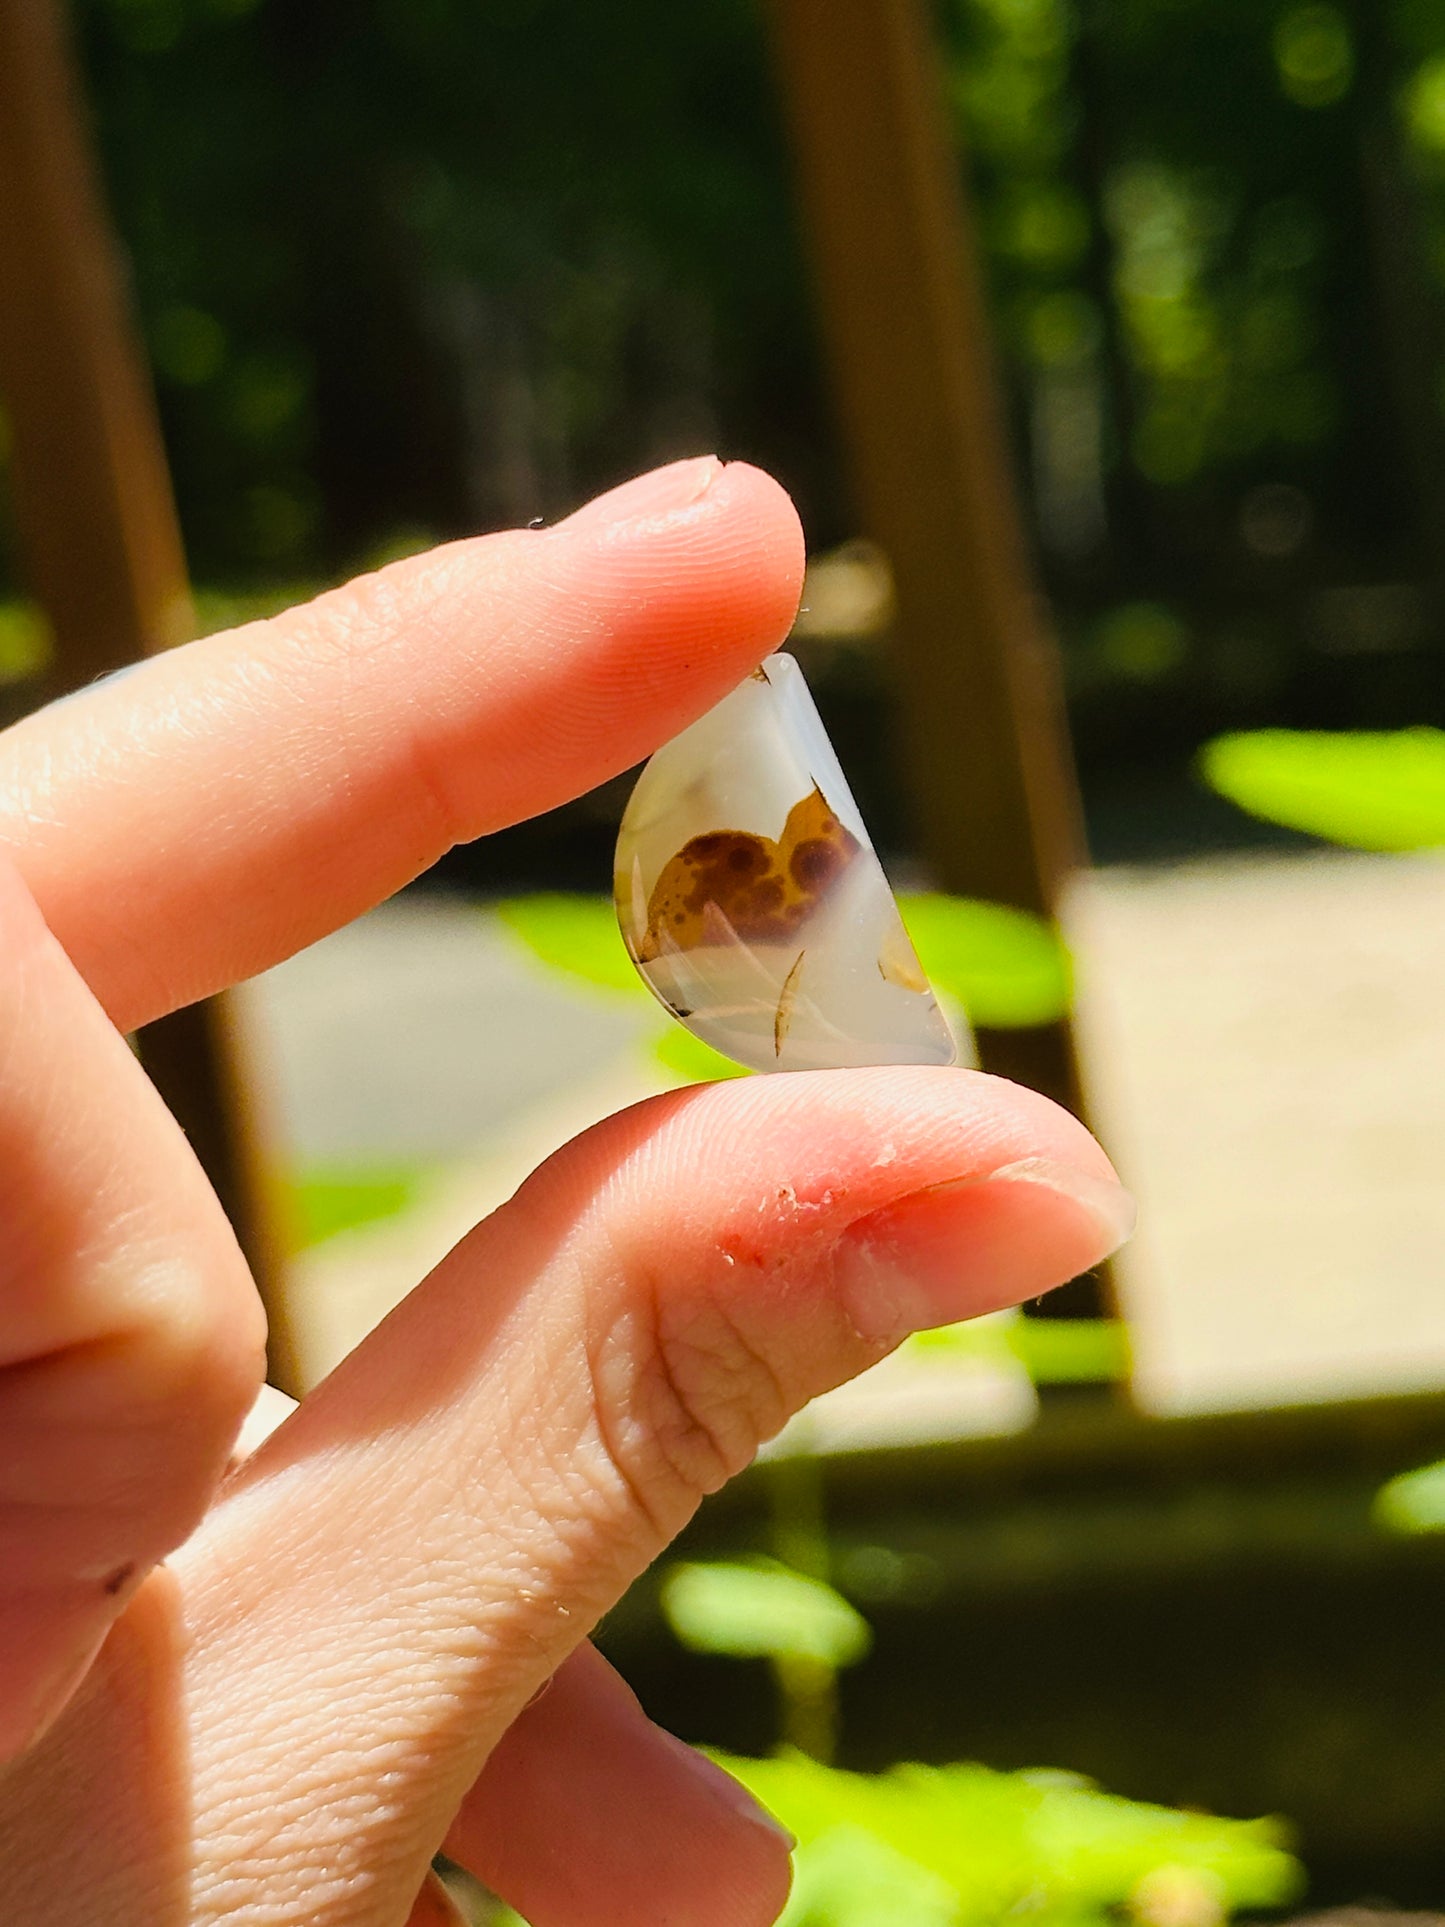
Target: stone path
{"type": "Point", "coordinates": [1266, 1045]}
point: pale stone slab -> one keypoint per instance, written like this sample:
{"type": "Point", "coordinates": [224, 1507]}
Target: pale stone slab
{"type": "Point", "coordinates": [1264, 1043]}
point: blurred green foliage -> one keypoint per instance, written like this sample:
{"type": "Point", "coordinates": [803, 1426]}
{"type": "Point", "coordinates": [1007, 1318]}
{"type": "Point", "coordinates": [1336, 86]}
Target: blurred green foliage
{"type": "Point", "coordinates": [762, 1610]}
{"type": "Point", "coordinates": [407, 268]}
{"type": "Point", "coordinates": [217, 609]}
{"type": "Point", "coordinates": [959, 1845]}
{"type": "Point", "coordinates": [1053, 1351]}
{"type": "Point", "coordinates": [577, 935]}
{"type": "Point", "coordinates": [1006, 968]}
{"type": "Point", "coordinates": [325, 1200]}
{"type": "Point", "coordinates": [25, 642]}
{"type": "Point", "coordinates": [962, 1845]}
{"type": "Point", "coordinates": [1071, 1351]}
{"type": "Point", "coordinates": [1370, 790]}
{"type": "Point", "coordinates": [1413, 1502]}
{"type": "Point", "coordinates": [1003, 967]}
{"type": "Point", "coordinates": [683, 1055]}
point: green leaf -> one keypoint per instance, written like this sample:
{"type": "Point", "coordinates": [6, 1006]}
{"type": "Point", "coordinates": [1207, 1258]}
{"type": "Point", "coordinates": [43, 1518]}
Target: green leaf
{"type": "Point", "coordinates": [1010, 970]}
{"type": "Point", "coordinates": [329, 1199]}
{"type": "Point", "coordinates": [574, 934]}
{"type": "Point", "coordinates": [848, 1875]}
{"type": "Point", "coordinates": [1043, 1844]}
{"type": "Point", "coordinates": [26, 641]}
{"type": "Point", "coordinates": [683, 1055]}
{"type": "Point", "coordinates": [1371, 790]}
{"type": "Point", "coordinates": [1413, 1502]}
{"type": "Point", "coordinates": [1071, 1351]}
{"type": "Point", "coordinates": [578, 936]}
{"type": "Point", "coordinates": [762, 1611]}
{"type": "Point", "coordinates": [987, 1339]}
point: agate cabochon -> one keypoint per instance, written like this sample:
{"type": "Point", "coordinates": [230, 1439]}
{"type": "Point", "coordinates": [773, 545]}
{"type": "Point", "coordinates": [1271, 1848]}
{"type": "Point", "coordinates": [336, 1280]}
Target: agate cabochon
{"type": "Point", "coordinates": [751, 899]}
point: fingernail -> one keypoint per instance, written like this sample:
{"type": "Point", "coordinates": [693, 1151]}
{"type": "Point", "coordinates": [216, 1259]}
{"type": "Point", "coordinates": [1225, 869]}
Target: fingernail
{"type": "Point", "coordinates": [728, 1791]}
{"type": "Point", "coordinates": [662, 491]}
{"type": "Point", "coordinates": [959, 1249]}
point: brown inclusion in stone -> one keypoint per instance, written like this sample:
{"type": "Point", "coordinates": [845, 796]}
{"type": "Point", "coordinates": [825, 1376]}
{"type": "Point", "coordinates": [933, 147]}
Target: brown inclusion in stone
{"type": "Point", "coordinates": [766, 890]}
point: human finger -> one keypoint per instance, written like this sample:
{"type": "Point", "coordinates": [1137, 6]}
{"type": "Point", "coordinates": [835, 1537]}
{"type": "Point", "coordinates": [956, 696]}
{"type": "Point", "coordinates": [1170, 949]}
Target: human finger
{"type": "Point", "coordinates": [588, 1814]}
{"type": "Point", "coordinates": [131, 1338]}
{"type": "Point", "coordinates": [227, 803]}
{"type": "Point", "coordinates": [389, 1580]}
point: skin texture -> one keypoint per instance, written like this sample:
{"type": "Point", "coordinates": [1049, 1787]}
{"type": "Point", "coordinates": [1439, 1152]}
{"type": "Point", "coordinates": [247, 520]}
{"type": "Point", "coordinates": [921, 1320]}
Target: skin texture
{"type": "Point", "coordinates": [271, 1697]}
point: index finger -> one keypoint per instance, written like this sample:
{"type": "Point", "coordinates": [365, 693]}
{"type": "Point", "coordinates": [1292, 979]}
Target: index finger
{"type": "Point", "coordinates": [232, 801]}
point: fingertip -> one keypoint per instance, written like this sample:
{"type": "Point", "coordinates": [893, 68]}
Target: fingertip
{"type": "Point", "coordinates": [714, 549]}
{"type": "Point", "coordinates": [1044, 1120]}
{"type": "Point", "coordinates": [745, 502]}
{"type": "Point", "coordinates": [590, 1815]}
{"type": "Point", "coordinates": [659, 491]}
{"type": "Point", "coordinates": [848, 1141]}
{"type": "Point", "coordinates": [48, 1642]}
{"type": "Point", "coordinates": [763, 508]}
{"type": "Point", "coordinates": [634, 625]}
{"type": "Point", "coordinates": [759, 502]}
{"type": "Point", "coordinates": [961, 1248]}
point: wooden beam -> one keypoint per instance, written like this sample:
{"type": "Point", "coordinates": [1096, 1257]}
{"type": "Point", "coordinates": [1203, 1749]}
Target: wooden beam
{"type": "Point", "coordinates": [901, 309]}
{"type": "Point", "coordinates": [93, 504]}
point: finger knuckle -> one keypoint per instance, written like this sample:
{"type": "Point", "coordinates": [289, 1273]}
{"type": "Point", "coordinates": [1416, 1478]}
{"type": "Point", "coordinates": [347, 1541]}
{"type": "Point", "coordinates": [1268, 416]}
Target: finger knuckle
{"type": "Point", "coordinates": [685, 1394]}
{"type": "Point", "coordinates": [186, 1375]}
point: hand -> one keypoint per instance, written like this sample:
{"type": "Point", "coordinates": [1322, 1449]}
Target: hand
{"type": "Point", "coordinates": [339, 1665]}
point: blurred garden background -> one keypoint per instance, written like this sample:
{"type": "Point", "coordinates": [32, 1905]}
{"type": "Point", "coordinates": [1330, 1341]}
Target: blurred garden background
{"type": "Point", "coordinates": [409, 269]}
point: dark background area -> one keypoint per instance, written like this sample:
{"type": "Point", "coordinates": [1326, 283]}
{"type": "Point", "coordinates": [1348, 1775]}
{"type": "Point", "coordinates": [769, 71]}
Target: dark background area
{"type": "Point", "coordinates": [1206, 1609]}
{"type": "Point", "coordinates": [411, 268]}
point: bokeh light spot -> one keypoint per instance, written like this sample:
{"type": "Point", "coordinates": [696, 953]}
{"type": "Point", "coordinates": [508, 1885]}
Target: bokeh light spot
{"type": "Point", "coordinates": [1141, 642]}
{"type": "Point", "coordinates": [1313, 54]}
{"type": "Point", "coordinates": [189, 345]}
{"type": "Point", "coordinates": [26, 642]}
{"type": "Point", "coordinates": [1425, 106]}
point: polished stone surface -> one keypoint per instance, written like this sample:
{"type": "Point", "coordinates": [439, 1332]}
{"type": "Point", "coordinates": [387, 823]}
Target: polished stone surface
{"type": "Point", "coordinates": [753, 903]}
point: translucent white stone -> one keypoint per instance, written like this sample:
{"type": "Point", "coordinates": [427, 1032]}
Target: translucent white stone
{"type": "Point", "coordinates": [753, 903]}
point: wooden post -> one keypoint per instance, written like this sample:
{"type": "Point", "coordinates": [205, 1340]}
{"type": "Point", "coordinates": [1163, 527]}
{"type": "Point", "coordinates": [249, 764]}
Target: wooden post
{"type": "Point", "coordinates": [93, 503]}
{"type": "Point", "coordinates": [901, 308]}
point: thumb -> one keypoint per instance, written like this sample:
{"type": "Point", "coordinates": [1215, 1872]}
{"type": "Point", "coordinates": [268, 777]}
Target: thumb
{"type": "Point", "coordinates": [407, 1560]}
